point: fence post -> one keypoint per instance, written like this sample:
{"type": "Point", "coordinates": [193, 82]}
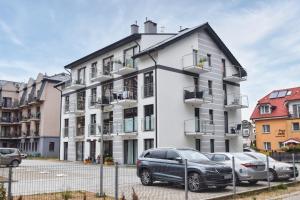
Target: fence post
{"type": "Point", "coordinates": [268, 173]}
{"type": "Point", "coordinates": [116, 181]}
{"type": "Point", "coordinates": [9, 195]}
{"type": "Point", "coordinates": [294, 166]}
{"type": "Point", "coordinates": [186, 186]}
{"type": "Point", "coordinates": [233, 176]}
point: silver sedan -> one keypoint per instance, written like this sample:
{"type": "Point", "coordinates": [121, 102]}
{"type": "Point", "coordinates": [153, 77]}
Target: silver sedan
{"type": "Point", "coordinates": [278, 170]}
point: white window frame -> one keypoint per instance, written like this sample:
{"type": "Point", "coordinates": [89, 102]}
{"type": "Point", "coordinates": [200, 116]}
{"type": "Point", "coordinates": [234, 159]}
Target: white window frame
{"type": "Point", "coordinates": [265, 109]}
{"type": "Point", "coordinates": [267, 146]}
{"type": "Point", "coordinates": [264, 128]}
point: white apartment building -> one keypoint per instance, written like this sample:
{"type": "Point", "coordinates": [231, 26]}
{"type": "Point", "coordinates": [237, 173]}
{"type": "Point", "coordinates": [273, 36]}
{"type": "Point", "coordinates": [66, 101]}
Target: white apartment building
{"type": "Point", "coordinates": [153, 90]}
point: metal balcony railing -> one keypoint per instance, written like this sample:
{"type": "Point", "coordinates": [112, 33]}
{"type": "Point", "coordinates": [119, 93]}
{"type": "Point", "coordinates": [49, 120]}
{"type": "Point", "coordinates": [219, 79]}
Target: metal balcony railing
{"type": "Point", "coordinates": [93, 101]}
{"type": "Point", "coordinates": [9, 119]}
{"type": "Point", "coordinates": [9, 104]}
{"type": "Point", "coordinates": [233, 128]}
{"type": "Point", "coordinates": [196, 93]}
{"type": "Point", "coordinates": [235, 74]}
{"type": "Point", "coordinates": [128, 125]}
{"type": "Point", "coordinates": [93, 129]}
{"type": "Point", "coordinates": [35, 116]}
{"type": "Point", "coordinates": [236, 101]}
{"type": "Point", "coordinates": [108, 128]}
{"type": "Point", "coordinates": [194, 126]}
{"type": "Point", "coordinates": [124, 93]}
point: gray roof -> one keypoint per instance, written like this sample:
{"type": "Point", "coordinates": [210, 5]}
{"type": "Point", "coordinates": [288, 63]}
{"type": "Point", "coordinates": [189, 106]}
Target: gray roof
{"type": "Point", "coordinates": [58, 77]}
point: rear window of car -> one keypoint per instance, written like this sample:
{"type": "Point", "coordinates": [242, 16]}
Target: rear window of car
{"type": "Point", "coordinates": [158, 154]}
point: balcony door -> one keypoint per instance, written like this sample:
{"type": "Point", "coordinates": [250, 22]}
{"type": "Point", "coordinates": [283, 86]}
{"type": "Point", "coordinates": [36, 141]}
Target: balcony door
{"type": "Point", "coordinates": [127, 57]}
{"type": "Point", "coordinates": [79, 150]}
{"type": "Point", "coordinates": [107, 93]}
{"type": "Point", "coordinates": [81, 75]}
{"type": "Point", "coordinates": [130, 152]}
{"type": "Point", "coordinates": [148, 84]}
{"type": "Point", "coordinates": [130, 86]}
{"type": "Point", "coordinates": [130, 120]}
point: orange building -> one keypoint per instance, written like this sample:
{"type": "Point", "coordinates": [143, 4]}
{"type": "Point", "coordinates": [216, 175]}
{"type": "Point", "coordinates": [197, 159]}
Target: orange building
{"type": "Point", "coordinates": [277, 119]}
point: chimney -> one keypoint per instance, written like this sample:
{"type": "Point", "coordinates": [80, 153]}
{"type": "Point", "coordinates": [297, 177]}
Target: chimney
{"type": "Point", "coordinates": [134, 28]}
{"type": "Point", "coordinates": [150, 27]}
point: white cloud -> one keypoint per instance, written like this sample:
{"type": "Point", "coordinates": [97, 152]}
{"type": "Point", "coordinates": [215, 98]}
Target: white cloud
{"type": "Point", "coordinates": [10, 34]}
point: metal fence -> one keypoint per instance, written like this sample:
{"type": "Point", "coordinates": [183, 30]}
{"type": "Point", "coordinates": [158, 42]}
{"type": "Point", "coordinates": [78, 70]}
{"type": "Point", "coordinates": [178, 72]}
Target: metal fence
{"type": "Point", "coordinates": [285, 156]}
{"type": "Point", "coordinates": [62, 180]}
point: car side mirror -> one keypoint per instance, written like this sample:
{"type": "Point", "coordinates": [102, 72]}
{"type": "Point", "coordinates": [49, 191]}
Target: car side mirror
{"type": "Point", "coordinates": [178, 159]}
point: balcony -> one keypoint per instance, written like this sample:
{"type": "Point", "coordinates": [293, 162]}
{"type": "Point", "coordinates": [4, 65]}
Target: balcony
{"type": "Point", "coordinates": [9, 120]}
{"type": "Point", "coordinates": [10, 135]}
{"type": "Point", "coordinates": [195, 63]}
{"type": "Point", "coordinates": [235, 75]}
{"type": "Point", "coordinates": [233, 129]}
{"type": "Point", "coordinates": [75, 108]}
{"type": "Point", "coordinates": [75, 84]}
{"type": "Point", "coordinates": [126, 127]}
{"type": "Point", "coordinates": [236, 101]}
{"type": "Point", "coordinates": [148, 123]}
{"type": "Point", "coordinates": [33, 99]}
{"type": "Point", "coordinates": [196, 97]}
{"type": "Point", "coordinates": [9, 105]}
{"type": "Point", "coordinates": [35, 116]}
{"type": "Point", "coordinates": [127, 67]}
{"type": "Point", "coordinates": [108, 128]}
{"type": "Point", "coordinates": [34, 133]}
{"type": "Point", "coordinates": [197, 127]}
{"type": "Point", "coordinates": [125, 97]}
{"type": "Point", "coordinates": [100, 76]}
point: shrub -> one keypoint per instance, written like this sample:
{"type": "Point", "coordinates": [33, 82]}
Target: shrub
{"type": "Point", "coordinates": [109, 159]}
{"type": "Point", "coordinates": [2, 192]}
{"type": "Point", "coordinates": [66, 195]}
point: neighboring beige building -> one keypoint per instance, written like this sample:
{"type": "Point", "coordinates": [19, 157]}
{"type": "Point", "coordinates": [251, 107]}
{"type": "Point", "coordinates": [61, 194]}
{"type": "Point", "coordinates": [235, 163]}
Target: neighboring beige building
{"type": "Point", "coordinates": [30, 115]}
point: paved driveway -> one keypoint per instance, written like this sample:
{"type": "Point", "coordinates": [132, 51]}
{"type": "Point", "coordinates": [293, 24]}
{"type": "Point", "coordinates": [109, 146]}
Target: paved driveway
{"type": "Point", "coordinates": [38, 176]}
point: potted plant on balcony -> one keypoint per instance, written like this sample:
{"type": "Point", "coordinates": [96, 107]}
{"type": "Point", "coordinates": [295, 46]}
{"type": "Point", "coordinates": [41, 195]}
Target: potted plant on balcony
{"type": "Point", "coordinates": [108, 160]}
{"type": "Point", "coordinates": [201, 62]}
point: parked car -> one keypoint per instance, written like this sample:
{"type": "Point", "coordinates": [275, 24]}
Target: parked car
{"type": "Point", "coordinates": [167, 164]}
{"type": "Point", "coordinates": [10, 157]}
{"type": "Point", "coordinates": [23, 155]}
{"type": "Point", "coordinates": [278, 170]}
{"type": "Point", "coordinates": [246, 168]}
{"type": "Point", "coordinates": [248, 149]}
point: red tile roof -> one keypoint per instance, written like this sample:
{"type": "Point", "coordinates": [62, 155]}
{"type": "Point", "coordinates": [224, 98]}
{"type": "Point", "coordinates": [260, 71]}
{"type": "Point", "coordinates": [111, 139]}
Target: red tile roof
{"type": "Point", "coordinates": [279, 107]}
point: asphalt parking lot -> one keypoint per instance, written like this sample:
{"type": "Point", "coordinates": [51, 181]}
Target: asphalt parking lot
{"type": "Point", "coordinates": [43, 176]}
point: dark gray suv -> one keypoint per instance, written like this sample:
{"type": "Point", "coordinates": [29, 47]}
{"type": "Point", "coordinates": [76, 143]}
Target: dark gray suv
{"type": "Point", "coordinates": [167, 164]}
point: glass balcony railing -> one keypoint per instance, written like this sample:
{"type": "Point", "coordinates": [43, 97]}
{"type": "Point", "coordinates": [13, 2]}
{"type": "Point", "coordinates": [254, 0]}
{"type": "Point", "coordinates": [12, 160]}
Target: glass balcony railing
{"type": "Point", "coordinates": [234, 74]}
{"type": "Point", "coordinates": [148, 123]}
{"type": "Point", "coordinates": [124, 65]}
{"type": "Point", "coordinates": [197, 126]}
{"type": "Point", "coordinates": [196, 96]}
{"type": "Point", "coordinates": [93, 129]}
{"type": "Point", "coordinates": [195, 63]}
{"type": "Point", "coordinates": [236, 101]}
{"type": "Point", "coordinates": [124, 93]}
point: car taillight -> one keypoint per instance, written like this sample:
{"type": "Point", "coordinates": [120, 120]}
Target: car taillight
{"type": "Point", "coordinates": [249, 165]}
{"type": "Point", "coordinates": [138, 162]}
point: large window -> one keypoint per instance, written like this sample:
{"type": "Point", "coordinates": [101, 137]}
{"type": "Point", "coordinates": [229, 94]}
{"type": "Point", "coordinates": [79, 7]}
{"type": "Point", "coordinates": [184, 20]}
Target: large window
{"type": "Point", "coordinates": [267, 145]}
{"type": "Point", "coordinates": [130, 88]}
{"type": "Point", "coordinates": [93, 99]}
{"type": "Point", "coordinates": [130, 120]}
{"type": "Point", "coordinates": [266, 128]}
{"type": "Point", "coordinates": [107, 65]}
{"type": "Point", "coordinates": [265, 109]}
{"type": "Point", "coordinates": [296, 126]}
{"type": "Point", "coordinates": [127, 59]}
{"type": "Point", "coordinates": [81, 75]}
{"type": "Point", "coordinates": [107, 93]}
{"type": "Point", "coordinates": [296, 110]}
{"type": "Point", "coordinates": [148, 84]}
{"type": "Point", "coordinates": [148, 118]}
{"type": "Point", "coordinates": [94, 70]}
{"type": "Point", "coordinates": [81, 100]}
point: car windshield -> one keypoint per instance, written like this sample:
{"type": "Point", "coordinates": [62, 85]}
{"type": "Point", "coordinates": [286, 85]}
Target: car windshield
{"type": "Point", "coordinates": [193, 155]}
{"type": "Point", "coordinates": [261, 157]}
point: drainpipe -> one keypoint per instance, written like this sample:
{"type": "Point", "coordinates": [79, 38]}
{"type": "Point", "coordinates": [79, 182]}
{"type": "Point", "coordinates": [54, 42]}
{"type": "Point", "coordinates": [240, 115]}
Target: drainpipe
{"type": "Point", "coordinates": [155, 72]}
{"type": "Point", "coordinates": [60, 111]}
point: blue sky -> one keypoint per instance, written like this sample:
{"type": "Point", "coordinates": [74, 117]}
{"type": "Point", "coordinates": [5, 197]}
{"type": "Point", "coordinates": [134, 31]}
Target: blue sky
{"type": "Point", "coordinates": [43, 36]}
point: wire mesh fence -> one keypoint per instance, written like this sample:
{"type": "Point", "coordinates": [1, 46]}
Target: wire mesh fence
{"type": "Point", "coordinates": [65, 180]}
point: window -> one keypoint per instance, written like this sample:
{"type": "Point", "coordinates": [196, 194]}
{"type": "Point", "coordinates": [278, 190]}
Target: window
{"type": "Point", "coordinates": [81, 76]}
{"type": "Point", "coordinates": [93, 124]}
{"type": "Point", "coordinates": [51, 146]}
{"type": "Point", "coordinates": [93, 100]}
{"type": "Point", "coordinates": [211, 116]}
{"type": "Point", "coordinates": [148, 84]}
{"type": "Point", "coordinates": [159, 154]}
{"type": "Point", "coordinates": [107, 95]}
{"type": "Point", "coordinates": [209, 59]}
{"type": "Point", "coordinates": [149, 119]}
{"type": "Point", "coordinates": [66, 127]}
{"type": "Point", "coordinates": [266, 128]}
{"type": "Point", "coordinates": [127, 59]}
{"type": "Point", "coordinates": [212, 145]}
{"type": "Point", "coordinates": [172, 155]}
{"type": "Point", "coordinates": [210, 90]}
{"type": "Point", "coordinates": [227, 145]}
{"type": "Point", "coordinates": [296, 126]}
{"type": "Point", "coordinates": [267, 145]}
{"type": "Point", "coordinates": [67, 103]}
{"type": "Point", "coordinates": [265, 109]}
{"type": "Point", "coordinates": [296, 110]}
{"type": "Point", "coordinates": [198, 144]}
{"type": "Point", "coordinates": [148, 144]}
{"type": "Point", "coordinates": [94, 70]}
{"type": "Point", "coordinates": [226, 124]}
{"type": "Point", "coordinates": [81, 100]}
{"type": "Point", "coordinates": [130, 120]}
{"type": "Point", "coordinates": [130, 88]}
{"type": "Point", "coordinates": [219, 158]}
{"type": "Point", "coordinates": [224, 67]}
{"type": "Point", "coordinates": [107, 65]}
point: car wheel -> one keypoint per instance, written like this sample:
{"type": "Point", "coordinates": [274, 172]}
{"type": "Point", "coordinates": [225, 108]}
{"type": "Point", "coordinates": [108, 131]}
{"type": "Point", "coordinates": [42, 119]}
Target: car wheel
{"type": "Point", "coordinates": [272, 175]}
{"type": "Point", "coordinates": [194, 182]}
{"type": "Point", "coordinates": [146, 178]}
{"type": "Point", "coordinates": [253, 182]}
{"type": "Point", "coordinates": [14, 163]}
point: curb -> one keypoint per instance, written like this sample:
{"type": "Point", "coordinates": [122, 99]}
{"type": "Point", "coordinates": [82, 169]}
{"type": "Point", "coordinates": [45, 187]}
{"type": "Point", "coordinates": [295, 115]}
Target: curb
{"type": "Point", "coordinates": [263, 189]}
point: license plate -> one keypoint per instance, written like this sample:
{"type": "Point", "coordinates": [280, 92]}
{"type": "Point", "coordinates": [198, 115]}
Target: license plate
{"type": "Point", "coordinates": [227, 176]}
